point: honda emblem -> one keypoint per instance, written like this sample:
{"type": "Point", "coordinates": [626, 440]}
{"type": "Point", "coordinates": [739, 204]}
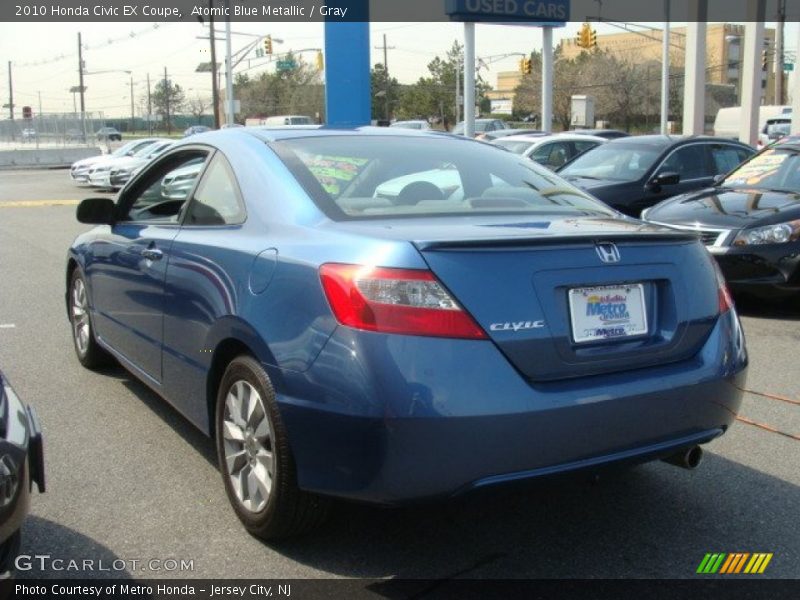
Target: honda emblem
{"type": "Point", "coordinates": [607, 252]}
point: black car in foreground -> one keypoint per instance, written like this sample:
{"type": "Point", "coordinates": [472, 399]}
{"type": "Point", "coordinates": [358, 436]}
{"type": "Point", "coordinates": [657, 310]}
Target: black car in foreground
{"type": "Point", "coordinates": [634, 173]}
{"type": "Point", "coordinates": [750, 221]}
{"type": "Point", "coordinates": [21, 465]}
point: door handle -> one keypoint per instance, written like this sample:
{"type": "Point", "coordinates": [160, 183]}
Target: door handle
{"type": "Point", "coordinates": [152, 254]}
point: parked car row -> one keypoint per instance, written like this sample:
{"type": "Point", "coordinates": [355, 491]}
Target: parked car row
{"type": "Point", "coordinates": [112, 171]}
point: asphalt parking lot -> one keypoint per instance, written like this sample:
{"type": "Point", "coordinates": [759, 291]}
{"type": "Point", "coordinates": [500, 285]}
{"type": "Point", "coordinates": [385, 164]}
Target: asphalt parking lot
{"type": "Point", "coordinates": [130, 479]}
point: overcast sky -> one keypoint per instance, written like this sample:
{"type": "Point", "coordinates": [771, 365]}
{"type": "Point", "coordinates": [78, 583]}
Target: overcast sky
{"type": "Point", "coordinates": [147, 48]}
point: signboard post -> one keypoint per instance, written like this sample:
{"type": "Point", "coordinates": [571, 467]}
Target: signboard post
{"type": "Point", "coordinates": [542, 13]}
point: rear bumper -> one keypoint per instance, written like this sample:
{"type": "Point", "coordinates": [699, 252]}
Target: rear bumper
{"type": "Point", "coordinates": [764, 268]}
{"type": "Point", "coordinates": [411, 419]}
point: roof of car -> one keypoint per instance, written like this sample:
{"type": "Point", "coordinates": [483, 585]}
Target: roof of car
{"type": "Point", "coordinates": [536, 139]}
{"type": "Point", "coordinates": [272, 134]}
{"type": "Point", "coordinates": [665, 141]}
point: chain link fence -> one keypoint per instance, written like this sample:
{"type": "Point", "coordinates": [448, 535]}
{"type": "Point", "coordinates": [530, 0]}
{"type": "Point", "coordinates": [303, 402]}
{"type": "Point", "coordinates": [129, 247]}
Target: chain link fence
{"type": "Point", "coordinates": [53, 130]}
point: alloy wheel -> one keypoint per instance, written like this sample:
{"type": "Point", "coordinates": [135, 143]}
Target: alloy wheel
{"type": "Point", "coordinates": [248, 446]}
{"type": "Point", "coordinates": [81, 328]}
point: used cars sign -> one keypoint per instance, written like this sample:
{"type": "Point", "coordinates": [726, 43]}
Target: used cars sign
{"type": "Point", "coordinates": [550, 11]}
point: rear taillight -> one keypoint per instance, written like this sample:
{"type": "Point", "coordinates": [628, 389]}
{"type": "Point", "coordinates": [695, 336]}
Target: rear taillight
{"type": "Point", "coordinates": [725, 298]}
{"type": "Point", "coordinates": [405, 301]}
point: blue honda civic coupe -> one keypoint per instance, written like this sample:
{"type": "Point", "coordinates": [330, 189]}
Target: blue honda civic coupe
{"type": "Point", "coordinates": [391, 316]}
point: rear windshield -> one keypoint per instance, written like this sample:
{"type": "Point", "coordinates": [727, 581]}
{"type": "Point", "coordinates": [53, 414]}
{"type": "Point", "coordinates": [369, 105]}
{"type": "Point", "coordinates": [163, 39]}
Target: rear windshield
{"type": "Point", "coordinates": [362, 177]}
{"type": "Point", "coordinates": [516, 146]}
{"type": "Point", "coordinates": [614, 162]}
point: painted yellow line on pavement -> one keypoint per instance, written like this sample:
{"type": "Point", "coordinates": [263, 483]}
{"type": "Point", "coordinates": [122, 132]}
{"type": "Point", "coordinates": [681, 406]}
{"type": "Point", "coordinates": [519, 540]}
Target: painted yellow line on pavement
{"type": "Point", "coordinates": [32, 203]}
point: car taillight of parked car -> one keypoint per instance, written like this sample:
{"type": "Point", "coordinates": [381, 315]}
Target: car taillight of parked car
{"type": "Point", "coordinates": [402, 301]}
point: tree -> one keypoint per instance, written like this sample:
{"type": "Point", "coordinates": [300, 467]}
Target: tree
{"type": "Point", "coordinates": [384, 90]}
{"type": "Point", "coordinates": [436, 95]}
{"type": "Point", "coordinates": [167, 98]}
{"type": "Point", "coordinates": [198, 106]}
{"type": "Point", "coordinates": [295, 91]}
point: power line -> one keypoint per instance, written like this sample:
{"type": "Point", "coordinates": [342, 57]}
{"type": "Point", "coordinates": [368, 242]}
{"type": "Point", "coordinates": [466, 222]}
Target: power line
{"type": "Point", "coordinates": [133, 35]}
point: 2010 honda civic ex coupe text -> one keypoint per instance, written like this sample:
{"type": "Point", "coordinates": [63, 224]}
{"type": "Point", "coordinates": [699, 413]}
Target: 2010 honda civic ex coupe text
{"type": "Point", "coordinates": [343, 336]}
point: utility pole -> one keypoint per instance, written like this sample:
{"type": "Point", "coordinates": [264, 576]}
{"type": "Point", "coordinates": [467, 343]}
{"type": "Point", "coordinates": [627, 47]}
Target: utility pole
{"type": "Point", "coordinates": [229, 112]}
{"type": "Point", "coordinates": [214, 82]}
{"type": "Point", "coordinates": [166, 99]}
{"type": "Point", "coordinates": [39, 126]}
{"type": "Point", "coordinates": [10, 94]}
{"type": "Point", "coordinates": [80, 85]}
{"type": "Point", "coordinates": [132, 115]}
{"type": "Point", "coordinates": [385, 73]}
{"type": "Point", "coordinates": [149, 109]}
{"type": "Point", "coordinates": [458, 91]}
{"type": "Point", "coordinates": [665, 72]}
{"type": "Point", "coordinates": [779, 51]}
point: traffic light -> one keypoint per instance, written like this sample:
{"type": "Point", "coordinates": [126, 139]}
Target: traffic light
{"type": "Point", "coordinates": [27, 113]}
{"type": "Point", "coordinates": [320, 61]}
{"type": "Point", "coordinates": [764, 60]}
{"type": "Point", "coordinates": [527, 67]}
{"type": "Point", "coordinates": [268, 45]}
{"type": "Point", "coordinates": [522, 65]}
{"type": "Point", "coordinates": [587, 37]}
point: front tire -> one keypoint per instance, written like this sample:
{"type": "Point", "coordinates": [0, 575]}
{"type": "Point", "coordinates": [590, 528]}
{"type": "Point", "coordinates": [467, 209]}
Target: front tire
{"type": "Point", "coordinates": [255, 459]}
{"type": "Point", "coordinates": [88, 351]}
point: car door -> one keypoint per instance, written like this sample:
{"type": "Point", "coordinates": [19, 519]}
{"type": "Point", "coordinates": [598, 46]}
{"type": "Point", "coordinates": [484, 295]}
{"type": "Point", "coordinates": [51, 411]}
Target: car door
{"type": "Point", "coordinates": [211, 269]}
{"type": "Point", "coordinates": [129, 262]}
{"type": "Point", "coordinates": [691, 163]}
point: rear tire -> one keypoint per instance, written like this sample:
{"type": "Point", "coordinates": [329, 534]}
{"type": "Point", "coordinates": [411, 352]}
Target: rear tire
{"type": "Point", "coordinates": [255, 460]}
{"type": "Point", "coordinates": [90, 354]}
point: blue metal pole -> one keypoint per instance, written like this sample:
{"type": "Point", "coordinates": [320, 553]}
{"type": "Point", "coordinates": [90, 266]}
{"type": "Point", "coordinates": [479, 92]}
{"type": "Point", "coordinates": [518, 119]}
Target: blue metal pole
{"type": "Point", "coordinates": [347, 73]}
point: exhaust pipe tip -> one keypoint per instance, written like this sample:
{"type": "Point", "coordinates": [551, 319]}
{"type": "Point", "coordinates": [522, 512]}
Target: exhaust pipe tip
{"type": "Point", "coordinates": [690, 458]}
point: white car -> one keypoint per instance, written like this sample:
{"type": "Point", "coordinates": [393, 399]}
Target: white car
{"type": "Point", "coordinates": [79, 172]}
{"type": "Point", "coordinates": [551, 151]}
{"type": "Point", "coordinates": [123, 167]}
{"type": "Point", "coordinates": [418, 124]}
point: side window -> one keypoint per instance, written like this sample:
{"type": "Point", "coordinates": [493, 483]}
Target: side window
{"type": "Point", "coordinates": [689, 162]}
{"type": "Point", "coordinates": [581, 147]}
{"type": "Point", "coordinates": [216, 200]}
{"type": "Point", "coordinates": [743, 154]}
{"type": "Point", "coordinates": [726, 158]}
{"type": "Point", "coordinates": [542, 153]}
{"type": "Point", "coordinates": [164, 189]}
{"type": "Point", "coordinates": [552, 155]}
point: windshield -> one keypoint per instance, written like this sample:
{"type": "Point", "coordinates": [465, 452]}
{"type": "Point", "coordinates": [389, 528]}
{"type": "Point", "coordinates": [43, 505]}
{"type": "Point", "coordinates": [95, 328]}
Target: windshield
{"type": "Point", "coordinates": [614, 162]}
{"type": "Point", "coordinates": [774, 169]}
{"type": "Point", "coordinates": [359, 177]}
{"type": "Point", "coordinates": [778, 129]}
{"type": "Point", "coordinates": [124, 149]}
{"type": "Point", "coordinates": [516, 146]}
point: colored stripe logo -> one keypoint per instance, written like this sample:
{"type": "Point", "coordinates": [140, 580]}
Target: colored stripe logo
{"type": "Point", "coordinates": [734, 563]}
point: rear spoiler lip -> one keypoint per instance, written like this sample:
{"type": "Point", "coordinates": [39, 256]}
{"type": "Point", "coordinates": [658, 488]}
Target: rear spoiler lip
{"type": "Point", "coordinates": [557, 240]}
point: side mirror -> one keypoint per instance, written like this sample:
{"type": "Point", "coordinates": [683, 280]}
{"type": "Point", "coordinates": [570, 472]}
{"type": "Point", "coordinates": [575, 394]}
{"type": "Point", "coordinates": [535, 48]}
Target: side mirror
{"type": "Point", "coordinates": [96, 211]}
{"type": "Point", "coordinates": [665, 178]}
{"type": "Point", "coordinates": [130, 153]}
{"type": "Point", "coordinates": [719, 178]}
